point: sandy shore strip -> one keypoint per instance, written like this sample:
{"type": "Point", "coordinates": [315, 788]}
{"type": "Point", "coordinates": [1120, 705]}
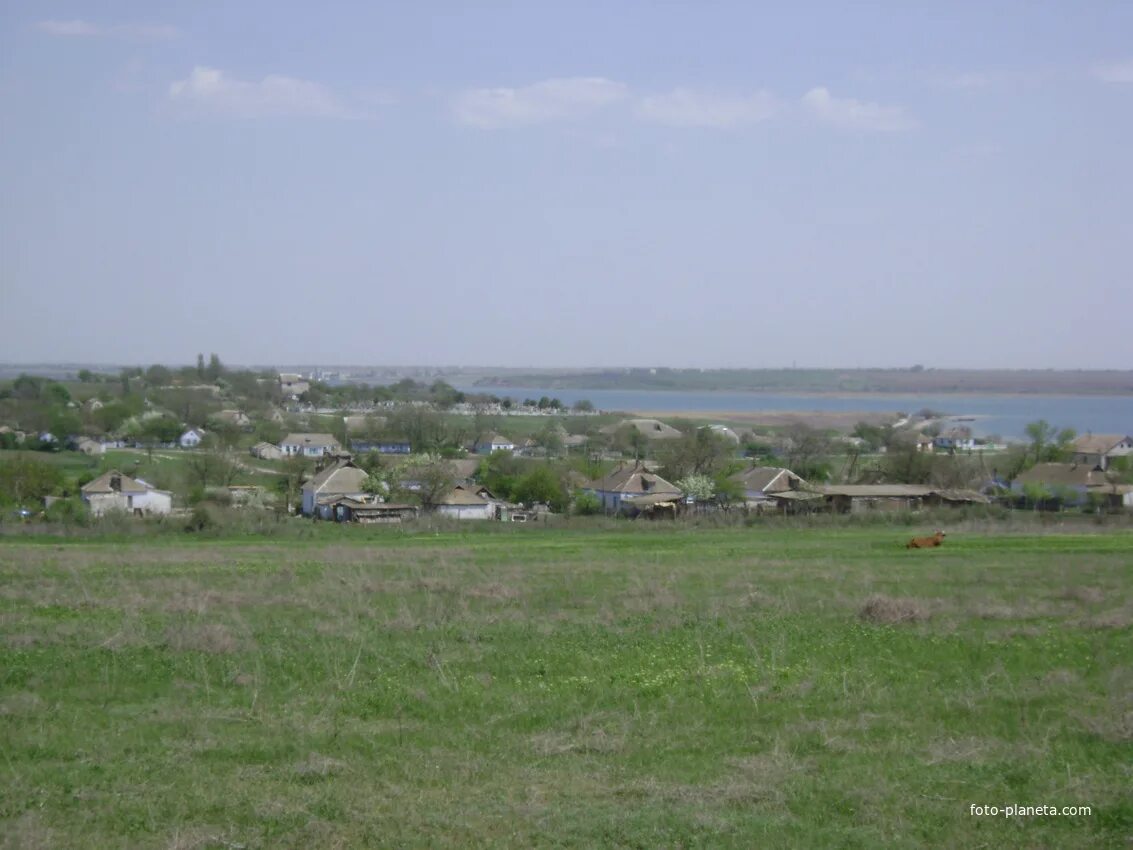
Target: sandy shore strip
{"type": "Point", "coordinates": [841, 420]}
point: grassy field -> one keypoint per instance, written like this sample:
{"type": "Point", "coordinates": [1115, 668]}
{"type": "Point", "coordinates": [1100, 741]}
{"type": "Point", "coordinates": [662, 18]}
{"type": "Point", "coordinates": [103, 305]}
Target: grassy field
{"type": "Point", "coordinates": [642, 688]}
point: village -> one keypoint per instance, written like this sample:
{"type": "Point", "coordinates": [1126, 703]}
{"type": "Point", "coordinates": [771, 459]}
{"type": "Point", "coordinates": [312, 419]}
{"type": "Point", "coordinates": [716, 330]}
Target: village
{"type": "Point", "coordinates": [224, 439]}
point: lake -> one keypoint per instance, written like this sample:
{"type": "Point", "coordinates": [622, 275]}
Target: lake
{"type": "Point", "coordinates": [1006, 415]}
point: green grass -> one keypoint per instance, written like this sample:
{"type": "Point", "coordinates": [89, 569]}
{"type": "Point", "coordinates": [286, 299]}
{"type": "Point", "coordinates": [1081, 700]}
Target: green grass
{"type": "Point", "coordinates": [572, 688]}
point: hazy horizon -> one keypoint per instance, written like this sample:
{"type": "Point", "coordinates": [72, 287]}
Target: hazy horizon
{"type": "Point", "coordinates": [565, 186]}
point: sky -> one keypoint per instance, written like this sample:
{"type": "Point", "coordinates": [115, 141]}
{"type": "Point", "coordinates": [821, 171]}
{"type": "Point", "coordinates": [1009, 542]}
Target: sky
{"type": "Point", "coordinates": [556, 184]}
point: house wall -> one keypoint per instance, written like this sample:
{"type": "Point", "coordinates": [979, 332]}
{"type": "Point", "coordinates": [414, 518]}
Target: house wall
{"type": "Point", "coordinates": [152, 502]}
{"type": "Point", "coordinates": [101, 503]}
{"type": "Point", "coordinates": [484, 511]}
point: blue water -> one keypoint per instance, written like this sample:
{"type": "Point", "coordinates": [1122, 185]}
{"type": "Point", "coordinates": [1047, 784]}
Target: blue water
{"type": "Point", "coordinates": [1005, 415]}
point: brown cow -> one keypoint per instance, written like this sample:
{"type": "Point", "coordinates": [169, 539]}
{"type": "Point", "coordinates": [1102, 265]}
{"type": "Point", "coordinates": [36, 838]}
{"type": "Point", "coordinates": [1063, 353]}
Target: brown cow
{"type": "Point", "coordinates": [926, 542]}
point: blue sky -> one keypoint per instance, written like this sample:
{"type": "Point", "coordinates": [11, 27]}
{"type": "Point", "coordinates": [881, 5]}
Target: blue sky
{"type": "Point", "coordinates": [568, 184]}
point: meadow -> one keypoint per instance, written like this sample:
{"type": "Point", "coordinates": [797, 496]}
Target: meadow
{"type": "Point", "coordinates": [632, 687]}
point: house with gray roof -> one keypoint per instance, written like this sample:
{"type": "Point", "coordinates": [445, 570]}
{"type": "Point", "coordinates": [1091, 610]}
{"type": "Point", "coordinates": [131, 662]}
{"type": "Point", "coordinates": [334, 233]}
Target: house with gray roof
{"type": "Point", "coordinates": [339, 479]}
{"type": "Point", "coordinates": [630, 486]}
{"type": "Point", "coordinates": [309, 445]}
{"type": "Point", "coordinates": [1097, 450]}
{"type": "Point", "coordinates": [113, 491]}
{"type": "Point", "coordinates": [760, 482]}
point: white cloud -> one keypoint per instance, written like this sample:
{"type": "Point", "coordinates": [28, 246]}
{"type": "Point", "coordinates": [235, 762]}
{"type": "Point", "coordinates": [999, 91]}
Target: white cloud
{"type": "Point", "coordinates": [129, 32]}
{"type": "Point", "coordinates": [850, 114]}
{"type": "Point", "coordinates": [210, 90]}
{"type": "Point", "coordinates": [550, 100]}
{"type": "Point", "coordinates": [1115, 72]}
{"type": "Point", "coordinates": [685, 107]}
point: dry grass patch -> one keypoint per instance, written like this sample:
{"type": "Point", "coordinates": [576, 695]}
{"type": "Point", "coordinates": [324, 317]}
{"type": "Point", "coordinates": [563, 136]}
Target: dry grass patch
{"type": "Point", "coordinates": [316, 766]}
{"type": "Point", "coordinates": [495, 590]}
{"type": "Point", "coordinates": [1119, 618]}
{"type": "Point", "coordinates": [966, 750]}
{"type": "Point", "coordinates": [212, 638]}
{"type": "Point", "coordinates": [27, 832]}
{"type": "Point", "coordinates": [891, 610]}
{"type": "Point", "coordinates": [1087, 595]}
{"type": "Point", "coordinates": [598, 734]}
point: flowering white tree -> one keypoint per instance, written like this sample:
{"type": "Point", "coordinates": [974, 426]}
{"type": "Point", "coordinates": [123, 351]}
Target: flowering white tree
{"type": "Point", "coordinates": [700, 488]}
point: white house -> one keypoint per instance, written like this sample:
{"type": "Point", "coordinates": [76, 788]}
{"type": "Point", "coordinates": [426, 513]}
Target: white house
{"type": "Point", "coordinates": [469, 501]}
{"type": "Point", "coordinates": [620, 488]}
{"type": "Point", "coordinates": [292, 385]}
{"type": "Point", "coordinates": [233, 418]}
{"type": "Point", "coordinates": [192, 438]}
{"type": "Point", "coordinates": [493, 443]}
{"type": "Point", "coordinates": [760, 482]}
{"type": "Point", "coordinates": [113, 491]}
{"type": "Point", "coordinates": [1099, 449]}
{"type": "Point", "coordinates": [956, 440]}
{"type": "Point", "coordinates": [266, 451]}
{"type": "Point", "coordinates": [336, 481]}
{"type": "Point", "coordinates": [309, 445]}
{"type": "Point", "coordinates": [89, 447]}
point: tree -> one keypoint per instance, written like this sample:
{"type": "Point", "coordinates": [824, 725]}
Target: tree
{"type": "Point", "coordinates": [212, 467]}
{"type": "Point", "coordinates": [427, 477]}
{"type": "Point", "coordinates": [698, 452]}
{"type": "Point", "coordinates": [500, 473]}
{"type": "Point", "coordinates": [158, 376]}
{"type": "Point", "coordinates": [550, 438]}
{"type": "Point", "coordinates": [214, 369]}
{"type": "Point", "coordinates": [290, 481]}
{"type": "Point", "coordinates": [587, 503]}
{"type": "Point", "coordinates": [540, 485]}
{"type": "Point", "coordinates": [160, 429]}
{"type": "Point", "coordinates": [903, 464]}
{"type": "Point", "coordinates": [583, 405]}
{"type": "Point", "coordinates": [25, 480]}
{"type": "Point", "coordinates": [700, 488]}
{"type": "Point", "coordinates": [201, 366]}
{"type": "Point", "coordinates": [424, 428]}
{"type": "Point", "coordinates": [1047, 442]}
{"type": "Point", "coordinates": [808, 450]}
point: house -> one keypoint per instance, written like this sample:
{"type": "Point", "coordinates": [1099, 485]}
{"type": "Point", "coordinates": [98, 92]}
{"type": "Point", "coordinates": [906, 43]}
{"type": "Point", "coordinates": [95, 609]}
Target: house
{"type": "Point", "coordinates": [292, 385]}
{"type": "Point", "coordinates": [493, 443]}
{"type": "Point", "coordinates": [760, 482]}
{"type": "Point", "coordinates": [92, 404]}
{"type": "Point", "coordinates": [191, 438]}
{"type": "Point", "coordinates": [383, 446]}
{"type": "Point", "coordinates": [652, 429]}
{"type": "Point", "coordinates": [346, 509]}
{"type": "Point", "coordinates": [1061, 479]}
{"type": "Point", "coordinates": [1112, 495]}
{"type": "Point", "coordinates": [726, 433]}
{"type": "Point", "coordinates": [113, 491]}
{"type": "Point", "coordinates": [1097, 450]}
{"type": "Point", "coordinates": [309, 445]}
{"type": "Point", "coordinates": [363, 424]}
{"type": "Point", "coordinates": [11, 436]}
{"type": "Point", "coordinates": [618, 490]}
{"type": "Point", "coordinates": [469, 501]}
{"type": "Point", "coordinates": [233, 419]}
{"type": "Point", "coordinates": [266, 451]}
{"type": "Point", "coordinates": [575, 441]}
{"type": "Point", "coordinates": [867, 498]}
{"type": "Point", "coordinates": [925, 443]}
{"type": "Point", "coordinates": [464, 469]}
{"type": "Point", "coordinates": [89, 447]}
{"type": "Point", "coordinates": [341, 478]}
{"type": "Point", "coordinates": [956, 440]}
